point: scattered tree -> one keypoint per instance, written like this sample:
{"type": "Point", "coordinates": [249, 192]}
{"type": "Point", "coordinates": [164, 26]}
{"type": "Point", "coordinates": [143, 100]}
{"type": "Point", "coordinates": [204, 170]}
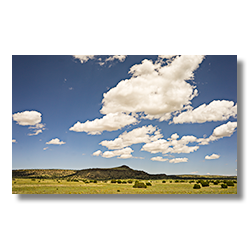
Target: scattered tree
{"type": "Point", "coordinates": [196, 186]}
{"type": "Point", "coordinates": [139, 185]}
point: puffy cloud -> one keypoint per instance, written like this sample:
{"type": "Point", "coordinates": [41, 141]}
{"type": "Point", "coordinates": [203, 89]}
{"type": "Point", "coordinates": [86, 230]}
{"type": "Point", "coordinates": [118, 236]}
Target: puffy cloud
{"type": "Point", "coordinates": [14, 141]}
{"type": "Point", "coordinates": [165, 56]}
{"type": "Point", "coordinates": [55, 141]}
{"type": "Point", "coordinates": [83, 58]}
{"type": "Point", "coordinates": [224, 130]}
{"type": "Point", "coordinates": [172, 145]}
{"type": "Point", "coordinates": [154, 89]}
{"type": "Point", "coordinates": [158, 158]}
{"type": "Point", "coordinates": [122, 153]}
{"type": "Point", "coordinates": [215, 111]}
{"type": "Point", "coordinates": [178, 160]}
{"type": "Point", "coordinates": [110, 122]}
{"type": "Point", "coordinates": [212, 157]}
{"type": "Point", "coordinates": [32, 119]}
{"type": "Point", "coordinates": [97, 153]}
{"type": "Point", "coordinates": [27, 118]}
{"type": "Point", "coordinates": [36, 132]}
{"type": "Point", "coordinates": [143, 134]}
{"type": "Point", "coordinates": [45, 148]}
{"type": "Point", "coordinates": [121, 58]}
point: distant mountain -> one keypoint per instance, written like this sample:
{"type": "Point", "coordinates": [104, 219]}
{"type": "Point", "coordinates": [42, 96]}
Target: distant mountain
{"type": "Point", "coordinates": [122, 172]}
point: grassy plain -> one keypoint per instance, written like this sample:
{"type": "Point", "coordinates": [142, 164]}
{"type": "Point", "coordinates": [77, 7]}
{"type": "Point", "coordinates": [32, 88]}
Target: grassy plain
{"type": "Point", "coordinates": [57, 186]}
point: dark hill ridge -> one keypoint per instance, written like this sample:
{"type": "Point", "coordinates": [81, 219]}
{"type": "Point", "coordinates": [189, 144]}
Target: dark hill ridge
{"type": "Point", "coordinates": [122, 172]}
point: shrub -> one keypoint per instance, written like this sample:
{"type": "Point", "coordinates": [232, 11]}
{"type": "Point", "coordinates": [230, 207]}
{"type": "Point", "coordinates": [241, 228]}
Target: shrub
{"type": "Point", "coordinates": [223, 185]}
{"type": "Point", "coordinates": [130, 181]}
{"type": "Point", "coordinates": [182, 181]}
{"type": "Point", "coordinates": [119, 181]}
{"type": "Point", "coordinates": [139, 185]}
{"type": "Point", "coordinates": [196, 186]}
{"type": "Point", "coordinates": [124, 182]}
{"type": "Point", "coordinates": [176, 181]}
{"type": "Point", "coordinates": [113, 181]}
{"type": "Point", "coordinates": [230, 184]}
{"type": "Point", "coordinates": [204, 183]}
{"type": "Point", "coordinates": [118, 190]}
{"type": "Point", "coordinates": [149, 184]}
{"type": "Point", "coordinates": [216, 182]}
{"type": "Point", "coordinates": [170, 181]}
{"type": "Point", "coordinates": [191, 182]}
{"type": "Point", "coordinates": [95, 181]}
{"type": "Point", "coordinates": [163, 181]}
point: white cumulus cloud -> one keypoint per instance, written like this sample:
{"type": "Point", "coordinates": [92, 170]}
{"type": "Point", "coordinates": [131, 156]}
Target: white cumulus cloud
{"type": "Point", "coordinates": [154, 89]}
{"type": "Point", "coordinates": [27, 118]}
{"type": "Point", "coordinates": [212, 157]}
{"type": "Point", "coordinates": [215, 111]}
{"type": "Point", "coordinates": [97, 153]}
{"type": "Point", "coordinates": [32, 119]}
{"type": "Point", "coordinates": [143, 134]}
{"type": "Point", "coordinates": [110, 122]}
{"type": "Point", "coordinates": [178, 160]}
{"type": "Point", "coordinates": [83, 58]}
{"type": "Point", "coordinates": [224, 130]}
{"type": "Point", "coordinates": [172, 145]}
{"type": "Point", "coordinates": [158, 158]}
{"type": "Point", "coordinates": [55, 141]}
{"type": "Point", "coordinates": [120, 58]}
{"type": "Point", "coordinates": [124, 153]}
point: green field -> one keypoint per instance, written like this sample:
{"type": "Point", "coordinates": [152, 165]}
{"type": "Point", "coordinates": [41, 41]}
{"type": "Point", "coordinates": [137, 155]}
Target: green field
{"type": "Point", "coordinates": [57, 186]}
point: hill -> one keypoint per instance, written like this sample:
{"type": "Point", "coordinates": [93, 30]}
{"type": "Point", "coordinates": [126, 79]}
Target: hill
{"type": "Point", "coordinates": [122, 172]}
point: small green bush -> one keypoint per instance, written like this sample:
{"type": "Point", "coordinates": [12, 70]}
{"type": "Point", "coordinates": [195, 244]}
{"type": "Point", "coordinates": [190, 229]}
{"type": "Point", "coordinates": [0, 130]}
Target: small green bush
{"type": "Point", "coordinates": [148, 184]}
{"type": "Point", "coordinates": [170, 181]}
{"type": "Point", "coordinates": [163, 181]}
{"type": "Point", "coordinates": [119, 181]}
{"type": "Point", "coordinates": [118, 191]}
{"type": "Point", "coordinates": [113, 181]}
{"type": "Point", "coordinates": [204, 183]}
{"type": "Point", "coordinates": [124, 182]}
{"type": "Point", "coordinates": [176, 181]}
{"type": "Point", "coordinates": [95, 181]}
{"type": "Point", "coordinates": [130, 181]}
{"type": "Point", "coordinates": [139, 185]}
{"type": "Point", "coordinates": [230, 184]}
{"type": "Point", "coordinates": [223, 185]}
{"type": "Point", "coordinates": [196, 186]}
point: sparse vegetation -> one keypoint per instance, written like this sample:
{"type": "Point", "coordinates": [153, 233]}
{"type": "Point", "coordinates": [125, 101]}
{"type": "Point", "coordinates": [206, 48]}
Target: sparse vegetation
{"type": "Point", "coordinates": [139, 185]}
{"type": "Point", "coordinates": [204, 183]}
{"type": "Point", "coordinates": [41, 182]}
{"type": "Point", "coordinates": [196, 186]}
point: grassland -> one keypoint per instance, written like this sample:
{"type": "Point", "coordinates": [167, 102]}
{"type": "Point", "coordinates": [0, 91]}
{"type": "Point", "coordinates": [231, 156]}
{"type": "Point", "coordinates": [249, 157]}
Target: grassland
{"type": "Point", "coordinates": [64, 186]}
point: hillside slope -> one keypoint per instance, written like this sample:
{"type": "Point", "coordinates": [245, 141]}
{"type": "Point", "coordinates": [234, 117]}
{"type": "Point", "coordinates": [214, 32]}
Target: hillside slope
{"type": "Point", "coordinates": [122, 172]}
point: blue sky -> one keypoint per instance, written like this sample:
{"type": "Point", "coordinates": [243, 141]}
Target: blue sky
{"type": "Point", "coordinates": [147, 119]}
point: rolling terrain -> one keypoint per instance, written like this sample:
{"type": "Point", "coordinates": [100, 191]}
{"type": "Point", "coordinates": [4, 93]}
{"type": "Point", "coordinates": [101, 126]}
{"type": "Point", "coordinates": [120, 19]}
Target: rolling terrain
{"type": "Point", "coordinates": [122, 172]}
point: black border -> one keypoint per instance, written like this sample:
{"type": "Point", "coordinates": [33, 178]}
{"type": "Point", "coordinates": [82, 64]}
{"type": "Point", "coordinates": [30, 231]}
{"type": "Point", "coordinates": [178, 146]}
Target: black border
{"type": "Point", "coordinates": [241, 198]}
